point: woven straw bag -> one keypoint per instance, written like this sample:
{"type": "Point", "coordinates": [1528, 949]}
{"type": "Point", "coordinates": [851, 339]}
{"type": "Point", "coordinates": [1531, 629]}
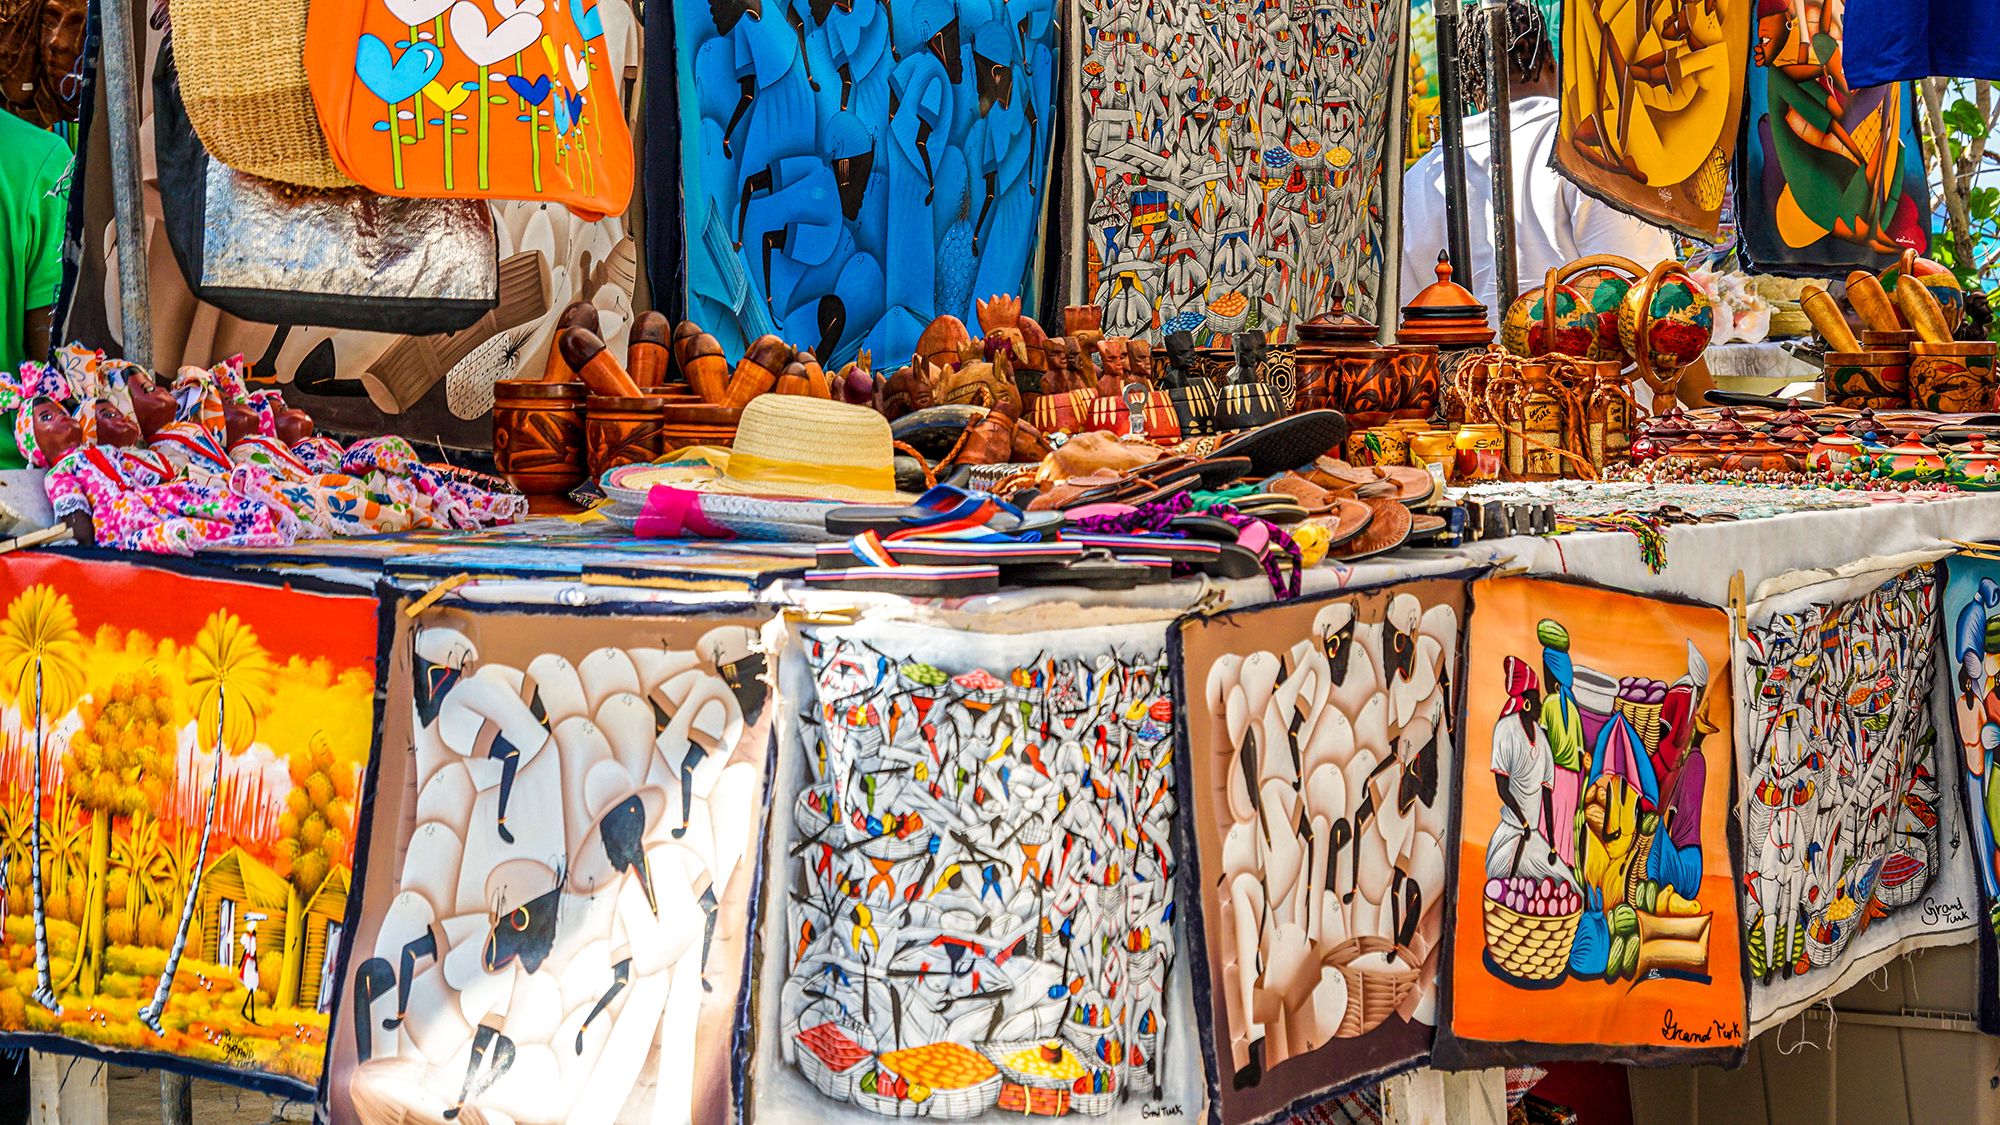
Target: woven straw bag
{"type": "Point", "coordinates": [253, 110]}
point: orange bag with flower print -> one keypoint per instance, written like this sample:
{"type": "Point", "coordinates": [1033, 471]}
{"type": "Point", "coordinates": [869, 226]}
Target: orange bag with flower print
{"type": "Point", "coordinates": [484, 99]}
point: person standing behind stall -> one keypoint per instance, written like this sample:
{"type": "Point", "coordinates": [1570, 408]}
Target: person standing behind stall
{"type": "Point", "coordinates": [1554, 221]}
{"type": "Point", "coordinates": [34, 199]}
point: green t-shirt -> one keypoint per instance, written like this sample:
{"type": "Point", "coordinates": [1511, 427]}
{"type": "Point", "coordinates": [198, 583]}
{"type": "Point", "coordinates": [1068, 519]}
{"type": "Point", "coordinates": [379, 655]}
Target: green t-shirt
{"type": "Point", "coordinates": [34, 197]}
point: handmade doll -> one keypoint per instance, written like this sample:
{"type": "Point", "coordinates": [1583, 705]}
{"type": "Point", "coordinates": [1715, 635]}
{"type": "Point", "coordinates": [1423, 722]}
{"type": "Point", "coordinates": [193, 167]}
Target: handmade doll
{"type": "Point", "coordinates": [128, 498]}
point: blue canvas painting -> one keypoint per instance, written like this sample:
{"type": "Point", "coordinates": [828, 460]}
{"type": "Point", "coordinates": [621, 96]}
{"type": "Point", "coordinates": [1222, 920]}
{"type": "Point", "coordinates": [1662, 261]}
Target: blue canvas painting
{"type": "Point", "coordinates": [851, 169]}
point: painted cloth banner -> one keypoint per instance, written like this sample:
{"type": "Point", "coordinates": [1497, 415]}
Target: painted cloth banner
{"type": "Point", "coordinates": [1852, 845]}
{"type": "Point", "coordinates": [971, 886]}
{"type": "Point", "coordinates": [181, 761]}
{"type": "Point", "coordinates": [1595, 902]}
{"type": "Point", "coordinates": [1832, 178]}
{"type": "Point", "coordinates": [1972, 624]}
{"type": "Point", "coordinates": [1652, 100]}
{"type": "Point", "coordinates": [559, 862]}
{"type": "Point", "coordinates": [1318, 815]}
{"type": "Point", "coordinates": [852, 170]}
{"type": "Point", "coordinates": [1228, 161]}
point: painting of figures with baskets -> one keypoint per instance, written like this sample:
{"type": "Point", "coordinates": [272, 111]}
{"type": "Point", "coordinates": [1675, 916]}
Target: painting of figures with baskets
{"type": "Point", "coordinates": [1851, 837]}
{"type": "Point", "coordinates": [1320, 735]}
{"type": "Point", "coordinates": [1595, 913]}
{"type": "Point", "coordinates": [970, 908]}
{"type": "Point", "coordinates": [1972, 672]}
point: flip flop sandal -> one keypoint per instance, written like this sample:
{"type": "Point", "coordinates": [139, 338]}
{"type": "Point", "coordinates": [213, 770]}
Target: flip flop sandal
{"type": "Point", "coordinates": [1205, 527]}
{"type": "Point", "coordinates": [1233, 561]}
{"type": "Point", "coordinates": [910, 581]}
{"type": "Point", "coordinates": [1423, 527]}
{"type": "Point", "coordinates": [1258, 503]}
{"type": "Point", "coordinates": [1193, 551]}
{"type": "Point", "coordinates": [1347, 519]}
{"type": "Point", "coordinates": [1288, 442]}
{"type": "Point", "coordinates": [1208, 472]}
{"type": "Point", "coordinates": [873, 550]}
{"type": "Point", "coordinates": [1315, 500]}
{"type": "Point", "coordinates": [1096, 571]}
{"type": "Point", "coordinates": [945, 510]}
{"type": "Point", "coordinates": [1388, 530]}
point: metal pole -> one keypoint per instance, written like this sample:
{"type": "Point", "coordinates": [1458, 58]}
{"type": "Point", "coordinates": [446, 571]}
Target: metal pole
{"type": "Point", "coordinates": [1506, 268]}
{"type": "Point", "coordinates": [1451, 135]}
{"type": "Point", "coordinates": [122, 106]}
{"type": "Point", "coordinates": [176, 1099]}
{"type": "Point", "coordinates": [1388, 294]}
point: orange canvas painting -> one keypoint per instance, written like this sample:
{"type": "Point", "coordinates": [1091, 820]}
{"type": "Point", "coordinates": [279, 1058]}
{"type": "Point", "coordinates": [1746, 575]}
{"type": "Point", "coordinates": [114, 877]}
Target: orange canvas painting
{"type": "Point", "coordinates": [181, 762]}
{"type": "Point", "coordinates": [1595, 906]}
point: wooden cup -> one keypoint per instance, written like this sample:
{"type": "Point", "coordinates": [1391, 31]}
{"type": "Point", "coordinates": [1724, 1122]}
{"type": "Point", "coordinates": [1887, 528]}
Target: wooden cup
{"type": "Point", "coordinates": [623, 430]}
{"type": "Point", "coordinates": [1955, 377]}
{"type": "Point", "coordinates": [538, 435]}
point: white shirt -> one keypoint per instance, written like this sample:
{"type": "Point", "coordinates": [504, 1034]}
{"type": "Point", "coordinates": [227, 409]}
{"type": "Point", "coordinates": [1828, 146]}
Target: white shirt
{"type": "Point", "coordinates": [1554, 221]}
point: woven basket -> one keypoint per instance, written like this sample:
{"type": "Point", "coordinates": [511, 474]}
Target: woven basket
{"type": "Point", "coordinates": [886, 1107]}
{"type": "Point", "coordinates": [1528, 947]}
{"type": "Point", "coordinates": [1645, 718]}
{"type": "Point", "coordinates": [1373, 988]}
{"type": "Point", "coordinates": [963, 1103]}
{"type": "Point", "coordinates": [1823, 953]}
{"type": "Point", "coordinates": [243, 78]}
{"type": "Point", "coordinates": [836, 1084]}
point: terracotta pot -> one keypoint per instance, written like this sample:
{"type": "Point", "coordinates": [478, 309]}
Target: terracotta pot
{"type": "Point", "coordinates": [1875, 379]}
{"type": "Point", "coordinates": [1952, 378]}
{"type": "Point", "coordinates": [623, 430]}
{"type": "Point", "coordinates": [538, 435]}
{"type": "Point", "coordinates": [696, 423]}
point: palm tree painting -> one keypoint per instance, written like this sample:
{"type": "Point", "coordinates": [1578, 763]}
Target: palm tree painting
{"type": "Point", "coordinates": [231, 678]}
{"type": "Point", "coordinates": [41, 659]}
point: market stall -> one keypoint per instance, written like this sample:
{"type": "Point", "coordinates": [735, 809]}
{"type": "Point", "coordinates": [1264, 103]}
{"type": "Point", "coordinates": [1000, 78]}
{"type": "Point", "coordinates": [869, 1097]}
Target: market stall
{"type": "Point", "coordinates": [1029, 622]}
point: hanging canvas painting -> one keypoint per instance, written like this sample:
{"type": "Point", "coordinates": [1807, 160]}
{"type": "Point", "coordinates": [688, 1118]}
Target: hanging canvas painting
{"type": "Point", "coordinates": [1832, 178]}
{"type": "Point", "coordinates": [180, 768]}
{"type": "Point", "coordinates": [1229, 161]}
{"type": "Point", "coordinates": [1595, 897]}
{"type": "Point", "coordinates": [1652, 100]}
{"type": "Point", "coordinates": [1319, 795]}
{"type": "Point", "coordinates": [1972, 673]}
{"type": "Point", "coordinates": [851, 170]}
{"type": "Point", "coordinates": [1852, 839]}
{"type": "Point", "coordinates": [558, 869]}
{"type": "Point", "coordinates": [971, 897]}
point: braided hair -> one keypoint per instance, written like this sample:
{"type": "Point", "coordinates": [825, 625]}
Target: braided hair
{"type": "Point", "coordinates": [1527, 52]}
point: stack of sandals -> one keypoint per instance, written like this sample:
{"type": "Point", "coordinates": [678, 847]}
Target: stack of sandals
{"type": "Point", "coordinates": [1221, 515]}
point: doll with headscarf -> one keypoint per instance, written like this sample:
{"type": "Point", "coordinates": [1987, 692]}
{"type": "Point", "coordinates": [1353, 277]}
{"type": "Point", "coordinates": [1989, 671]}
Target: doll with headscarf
{"type": "Point", "coordinates": [132, 498]}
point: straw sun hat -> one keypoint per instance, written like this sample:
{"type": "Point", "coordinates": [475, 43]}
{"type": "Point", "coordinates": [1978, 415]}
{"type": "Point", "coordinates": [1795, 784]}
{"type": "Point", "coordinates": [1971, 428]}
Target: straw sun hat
{"type": "Point", "coordinates": [789, 445]}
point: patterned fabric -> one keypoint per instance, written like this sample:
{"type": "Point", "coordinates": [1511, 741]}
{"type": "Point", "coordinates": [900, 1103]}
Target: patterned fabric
{"type": "Point", "coordinates": [137, 505]}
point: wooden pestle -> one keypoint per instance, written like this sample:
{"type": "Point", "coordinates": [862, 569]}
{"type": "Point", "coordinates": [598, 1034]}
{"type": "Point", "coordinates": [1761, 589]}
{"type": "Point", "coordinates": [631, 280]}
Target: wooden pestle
{"type": "Point", "coordinates": [576, 314]}
{"type": "Point", "coordinates": [757, 371]}
{"type": "Point", "coordinates": [703, 366]}
{"type": "Point", "coordinates": [1828, 321]}
{"type": "Point", "coordinates": [1920, 307]}
{"type": "Point", "coordinates": [647, 358]}
{"type": "Point", "coordinates": [586, 354]}
{"type": "Point", "coordinates": [1871, 302]}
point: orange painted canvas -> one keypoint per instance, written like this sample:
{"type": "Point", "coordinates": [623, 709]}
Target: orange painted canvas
{"type": "Point", "coordinates": [490, 99]}
{"type": "Point", "coordinates": [1595, 910]}
{"type": "Point", "coordinates": [181, 766]}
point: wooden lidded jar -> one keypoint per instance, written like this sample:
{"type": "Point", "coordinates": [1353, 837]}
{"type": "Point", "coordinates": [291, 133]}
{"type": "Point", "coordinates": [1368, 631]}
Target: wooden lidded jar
{"type": "Point", "coordinates": [1340, 366]}
{"type": "Point", "coordinates": [538, 435]}
{"type": "Point", "coordinates": [1448, 317]}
